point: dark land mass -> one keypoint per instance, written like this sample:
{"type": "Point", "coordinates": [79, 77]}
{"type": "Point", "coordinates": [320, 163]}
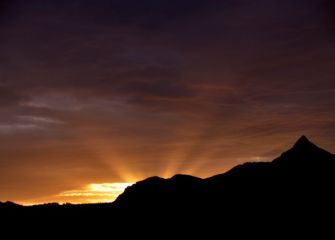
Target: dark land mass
{"type": "Point", "coordinates": [293, 192]}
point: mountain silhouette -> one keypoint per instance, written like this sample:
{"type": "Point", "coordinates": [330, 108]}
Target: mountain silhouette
{"type": "Point", "coordinates": [295, 188]}
{"type": "Point", "coordinates": [305, 170]}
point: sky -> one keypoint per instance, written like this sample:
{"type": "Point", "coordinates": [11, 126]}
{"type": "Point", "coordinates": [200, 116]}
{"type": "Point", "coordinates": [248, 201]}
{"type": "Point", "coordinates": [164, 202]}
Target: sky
{"type": "Point", "coordinates": [96, 95]}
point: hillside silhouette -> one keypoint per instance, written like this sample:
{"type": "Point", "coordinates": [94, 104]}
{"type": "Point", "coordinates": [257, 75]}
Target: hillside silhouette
{"type": "Point", "coordinates": [299, 174]}
{"type": "Point", "coordinates": [296, 187]}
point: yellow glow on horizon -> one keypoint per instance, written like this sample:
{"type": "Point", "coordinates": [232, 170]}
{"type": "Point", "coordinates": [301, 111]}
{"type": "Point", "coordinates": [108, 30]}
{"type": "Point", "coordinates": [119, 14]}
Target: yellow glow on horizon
{"type": "Point", "coordinates": [91, 193]}
{"type": "Point", "coordinates": [95, 193]}
{"type": "Point", "coordinates": [108, 187]}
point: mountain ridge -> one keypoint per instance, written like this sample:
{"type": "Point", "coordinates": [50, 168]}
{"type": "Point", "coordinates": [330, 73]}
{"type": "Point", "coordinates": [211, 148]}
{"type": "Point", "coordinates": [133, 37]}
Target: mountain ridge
{"type": "Point", "coordinates": [299, 162]}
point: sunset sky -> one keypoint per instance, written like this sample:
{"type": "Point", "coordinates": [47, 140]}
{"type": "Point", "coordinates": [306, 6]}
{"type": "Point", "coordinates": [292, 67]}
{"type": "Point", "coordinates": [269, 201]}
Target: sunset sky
{"type": "Point", "coordinates": [98, 94]}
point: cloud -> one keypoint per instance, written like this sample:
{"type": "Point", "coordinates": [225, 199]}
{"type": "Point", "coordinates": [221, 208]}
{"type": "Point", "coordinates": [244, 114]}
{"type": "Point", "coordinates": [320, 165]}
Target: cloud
{"type": "Point", "coordinates": [13, 128]}
{"type": "Point", "coordinates": [28, 124]}
{"type": "Point", "coordinates": [40, 120]}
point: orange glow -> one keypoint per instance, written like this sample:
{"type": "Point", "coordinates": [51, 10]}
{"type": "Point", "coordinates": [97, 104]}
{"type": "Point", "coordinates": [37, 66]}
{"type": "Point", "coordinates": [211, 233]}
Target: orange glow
{"type": "Point", "coordinates": [91, 193]}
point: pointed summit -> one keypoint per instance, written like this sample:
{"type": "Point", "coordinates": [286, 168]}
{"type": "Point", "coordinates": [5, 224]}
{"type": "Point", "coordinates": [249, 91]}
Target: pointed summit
{"type": "Point", "coordinates": [302, 152]}
{"type": "Point", "coordinates": [304, 146]}
{"type": "Point", "coordinates": [303, 142]}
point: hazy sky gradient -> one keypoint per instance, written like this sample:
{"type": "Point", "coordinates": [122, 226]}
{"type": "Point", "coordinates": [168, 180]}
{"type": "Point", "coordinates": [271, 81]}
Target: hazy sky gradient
{"type": "Point", "coordinates": [116, 91]}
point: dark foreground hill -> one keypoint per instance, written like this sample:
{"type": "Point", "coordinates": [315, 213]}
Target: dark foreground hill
{"type": "Point", "coordinates": [295, 189]}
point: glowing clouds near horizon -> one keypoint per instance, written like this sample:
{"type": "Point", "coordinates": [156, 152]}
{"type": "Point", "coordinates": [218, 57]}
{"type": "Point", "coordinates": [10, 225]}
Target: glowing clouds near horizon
{"type": "Point", "coordinates": [91, 193]}
{"type": "Point", "coordinates": [95, 193]}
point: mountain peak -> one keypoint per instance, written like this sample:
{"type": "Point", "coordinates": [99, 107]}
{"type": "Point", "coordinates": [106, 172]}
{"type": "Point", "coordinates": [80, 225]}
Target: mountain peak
{"type": "Point", "coordinates": [303, 141]}
{"type": "Point", "coordinates": [304, 151]}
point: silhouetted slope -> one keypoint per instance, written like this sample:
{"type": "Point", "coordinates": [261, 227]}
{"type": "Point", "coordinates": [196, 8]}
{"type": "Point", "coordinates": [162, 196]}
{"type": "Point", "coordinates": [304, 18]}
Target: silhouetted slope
{"type": "Point", "coordinates": [155, 190]}
{"type": "Point", "coordinates": [305, 173]}
{"type": "Point", "coordinates": [9, 206]}
{"type": "Point", "coordinates": [304, 154]}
